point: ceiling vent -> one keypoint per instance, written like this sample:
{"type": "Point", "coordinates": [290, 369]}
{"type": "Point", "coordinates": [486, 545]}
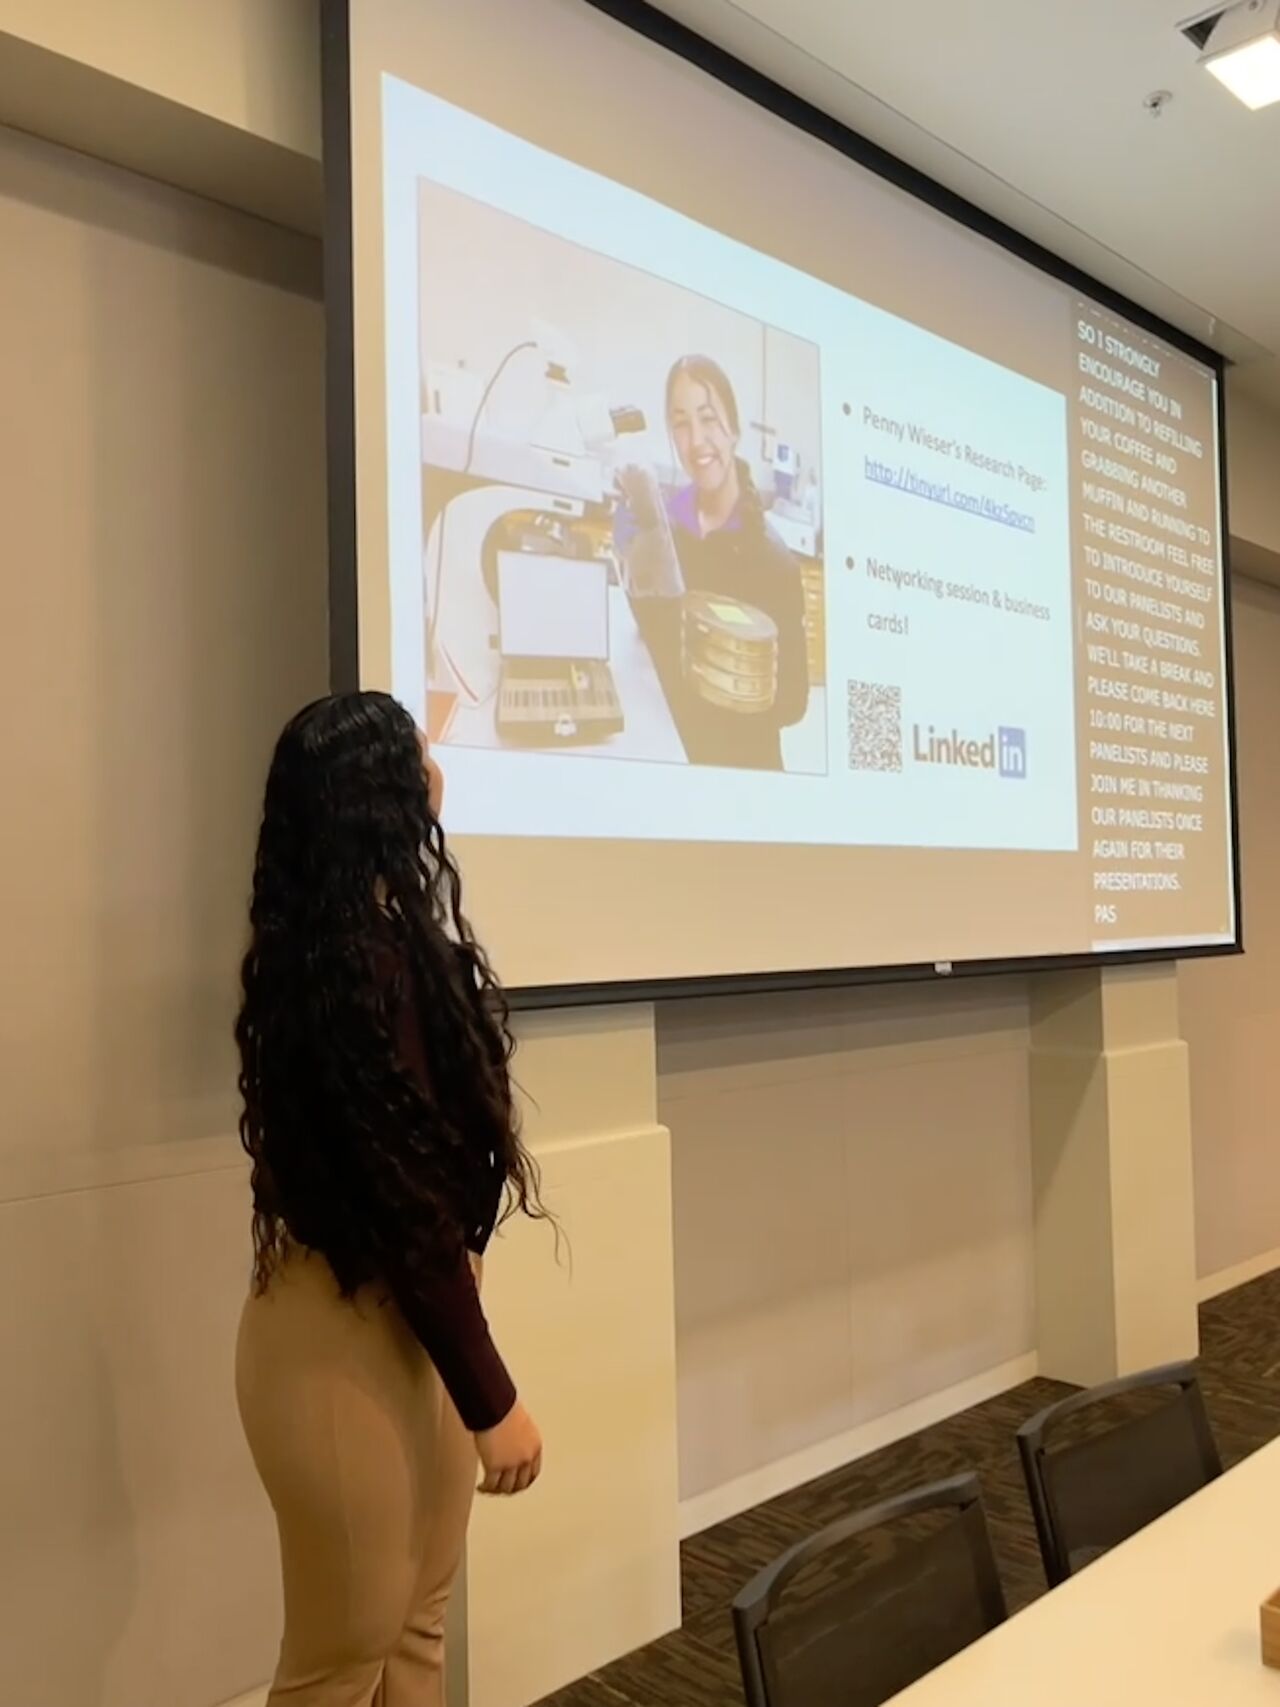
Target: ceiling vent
{"type": "Point", "coordinates": [1198, 29]}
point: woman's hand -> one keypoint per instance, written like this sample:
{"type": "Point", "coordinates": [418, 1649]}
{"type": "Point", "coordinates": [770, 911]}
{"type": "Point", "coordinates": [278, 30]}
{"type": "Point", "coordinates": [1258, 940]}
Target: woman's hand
{"type": "Point", "coordinates": [511, 1454]}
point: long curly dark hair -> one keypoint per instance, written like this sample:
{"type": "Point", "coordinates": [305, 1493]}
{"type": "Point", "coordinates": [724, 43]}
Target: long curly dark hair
{"type": "Point", "coordinates": [357, 907]}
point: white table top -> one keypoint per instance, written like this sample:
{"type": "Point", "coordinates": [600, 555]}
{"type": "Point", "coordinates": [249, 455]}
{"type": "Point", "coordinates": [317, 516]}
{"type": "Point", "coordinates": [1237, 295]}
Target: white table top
{"type": "Point", "coordinates": [1169, 1619]}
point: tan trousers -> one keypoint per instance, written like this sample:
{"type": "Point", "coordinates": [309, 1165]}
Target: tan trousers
{"type": "Point", "coordinates": [371, 1474]}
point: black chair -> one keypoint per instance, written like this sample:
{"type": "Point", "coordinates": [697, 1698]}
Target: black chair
{"type": "Point", "coordinates": [1137, 1448]}
{"type": "Point", "coordinates": [854, 1615]}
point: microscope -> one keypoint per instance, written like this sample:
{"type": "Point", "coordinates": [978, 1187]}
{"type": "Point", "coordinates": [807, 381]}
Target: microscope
{"type": "Point", "coordinates": [531, 458]}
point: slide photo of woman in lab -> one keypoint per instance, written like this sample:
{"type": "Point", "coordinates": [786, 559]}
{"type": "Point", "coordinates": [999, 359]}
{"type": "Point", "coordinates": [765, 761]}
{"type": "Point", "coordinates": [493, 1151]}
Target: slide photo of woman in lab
{"type": "Point", "coordinates": [622, 507]}
{"type": "Point", "coordinates": [716, 593]}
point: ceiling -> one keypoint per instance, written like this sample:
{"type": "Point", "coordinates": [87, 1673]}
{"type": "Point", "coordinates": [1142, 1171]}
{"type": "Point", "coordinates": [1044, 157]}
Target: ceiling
{"type": "Point", "coordinates": [1034, 110]}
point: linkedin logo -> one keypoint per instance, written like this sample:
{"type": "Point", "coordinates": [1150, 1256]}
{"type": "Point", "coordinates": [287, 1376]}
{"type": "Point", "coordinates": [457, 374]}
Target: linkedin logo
{"type": "Point", "coordinates": [1012, 747]}
{"type": "Point", "coordinates": [1005, 752]}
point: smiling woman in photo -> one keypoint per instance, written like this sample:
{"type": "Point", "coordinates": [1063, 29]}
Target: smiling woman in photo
{"type": "Point", "coordinates": [726, 550]}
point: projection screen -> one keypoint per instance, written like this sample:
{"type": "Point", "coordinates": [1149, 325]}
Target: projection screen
{"type": "Point", "coordinates": [799, 577]}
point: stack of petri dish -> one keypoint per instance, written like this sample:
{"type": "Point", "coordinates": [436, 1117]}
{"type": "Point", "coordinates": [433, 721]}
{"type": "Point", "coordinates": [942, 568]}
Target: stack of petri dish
{"type": "Point", "coordinates": [730, 653]}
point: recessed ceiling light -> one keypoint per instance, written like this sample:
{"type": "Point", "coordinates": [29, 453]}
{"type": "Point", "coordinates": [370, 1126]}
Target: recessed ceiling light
{"type": "Point", "coordinates": [1242, 50]}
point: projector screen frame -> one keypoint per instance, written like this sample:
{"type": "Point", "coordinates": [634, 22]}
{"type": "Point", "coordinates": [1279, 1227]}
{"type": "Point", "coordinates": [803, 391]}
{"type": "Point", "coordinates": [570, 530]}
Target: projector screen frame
{"type": "Point", "coordinates": [762, 91]}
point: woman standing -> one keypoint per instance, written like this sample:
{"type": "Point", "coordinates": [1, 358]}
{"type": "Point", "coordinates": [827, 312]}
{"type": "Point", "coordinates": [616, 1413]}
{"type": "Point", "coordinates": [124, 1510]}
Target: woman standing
{"type": "Point", "coordinates": [725, 546]}
{"type": "Point", "coordinates": [379, 1119]}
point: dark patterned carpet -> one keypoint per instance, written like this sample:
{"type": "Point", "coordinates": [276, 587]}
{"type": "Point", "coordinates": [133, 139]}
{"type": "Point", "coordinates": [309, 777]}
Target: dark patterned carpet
{"type": "Point", "coordinates": [697, 1667]}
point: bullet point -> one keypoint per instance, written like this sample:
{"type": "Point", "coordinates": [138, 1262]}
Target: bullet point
{"type": "Point", "coordinates": [848, 408]}
{"type": "Point", "coordinates": [849, 563]}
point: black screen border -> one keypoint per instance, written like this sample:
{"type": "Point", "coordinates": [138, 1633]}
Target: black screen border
{"type": "Point", "coordinates": [664, 32]}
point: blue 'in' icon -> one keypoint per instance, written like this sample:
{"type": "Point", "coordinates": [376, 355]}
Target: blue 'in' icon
{"type": "Point", "coordinates": [1012, 745]}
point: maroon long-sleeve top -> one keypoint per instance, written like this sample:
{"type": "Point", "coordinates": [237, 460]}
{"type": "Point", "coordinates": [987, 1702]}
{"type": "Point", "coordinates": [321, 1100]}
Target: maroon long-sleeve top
{"type": "Point", "coordinates": [444, 1311]}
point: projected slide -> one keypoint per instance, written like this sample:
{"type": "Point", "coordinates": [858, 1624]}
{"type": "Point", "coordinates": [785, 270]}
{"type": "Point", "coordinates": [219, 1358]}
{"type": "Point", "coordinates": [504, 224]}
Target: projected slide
{"type": "Point", "coordinates": [788, 576]}
{"type": "Point", "coordinates": [630, 476]}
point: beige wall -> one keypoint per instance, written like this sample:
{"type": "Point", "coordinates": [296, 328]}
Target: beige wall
{"type": "Point", "coordinates": [161, 609]}
{"type": "Point", "coordinates": [853, 1224]}
{"type": "Point", "coordinates": [251, 64]}
{"type": "Point", "coordinates": [588, 1567]}
{"type": "Point", "coordinates": [220, 97]}
{"type": "Point", "coordinates": [1253, 448]}
{"type": "Point", "coordinates": [1231, 1008]}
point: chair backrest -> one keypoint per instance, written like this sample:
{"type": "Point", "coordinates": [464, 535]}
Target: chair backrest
{"type": "Point", "coordinates": [1126, 1453]}
{"type": "Point", "coordinates": [857, 1613]}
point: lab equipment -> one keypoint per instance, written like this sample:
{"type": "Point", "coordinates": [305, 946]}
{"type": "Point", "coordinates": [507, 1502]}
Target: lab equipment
{"type": "Point", "coordinates": [533, 452]}
{"type": "Point", "coordinates": [556, 687]}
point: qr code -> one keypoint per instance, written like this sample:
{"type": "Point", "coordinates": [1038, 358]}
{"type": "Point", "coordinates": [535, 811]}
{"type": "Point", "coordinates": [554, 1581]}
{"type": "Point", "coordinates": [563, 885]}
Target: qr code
{"type": "Point", "coordinates": [875, 727]}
